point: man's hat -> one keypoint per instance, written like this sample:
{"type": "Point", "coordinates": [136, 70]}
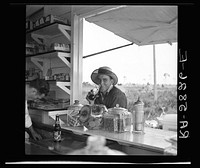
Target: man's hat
{"type": "Point", "coordinates": [105, 71]}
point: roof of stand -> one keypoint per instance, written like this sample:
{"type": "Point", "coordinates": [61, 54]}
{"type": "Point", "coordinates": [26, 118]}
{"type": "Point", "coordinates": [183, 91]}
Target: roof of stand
{"type": "Point", "coordinates": [143, 25]}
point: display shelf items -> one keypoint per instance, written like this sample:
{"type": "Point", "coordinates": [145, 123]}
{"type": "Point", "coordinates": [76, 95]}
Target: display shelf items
{"type": "Point", "coordinates": [48, 42]}
{"type": "Point", "coordinates": [44, 21]}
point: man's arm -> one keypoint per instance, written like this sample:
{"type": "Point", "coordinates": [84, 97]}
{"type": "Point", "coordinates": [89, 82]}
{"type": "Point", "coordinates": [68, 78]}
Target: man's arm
{"type": "Point", "coordinates": [28, 124]}
{"type": "Point", "coordinates": [35, 135]}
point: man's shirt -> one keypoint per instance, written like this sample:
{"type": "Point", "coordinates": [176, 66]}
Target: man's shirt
{"type": "Point", "coordinates": [112, 97]}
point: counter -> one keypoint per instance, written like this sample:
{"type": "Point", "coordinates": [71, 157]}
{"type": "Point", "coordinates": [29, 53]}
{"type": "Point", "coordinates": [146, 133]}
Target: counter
{"type": "Point", "coordinates": [153, 140]}
{"type": "Point", "coordinates": [151, 143]}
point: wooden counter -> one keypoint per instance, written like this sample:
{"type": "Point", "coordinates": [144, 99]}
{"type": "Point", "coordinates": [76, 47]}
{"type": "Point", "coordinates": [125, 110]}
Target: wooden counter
{"type": "Point", "coordinates": [153, 140]}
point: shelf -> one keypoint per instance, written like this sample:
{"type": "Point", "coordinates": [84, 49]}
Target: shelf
{"type": "Point", "coordinates": [65, 57]}
{"type": "Point", "coordinates": [49, 54]}
{"type": "Point", "coordinates": [46, 35]}
{"type": "Point", "coordinates": [55, 81]}
{"type": "Point", "coordinates": [61, 84]}
{"type": "Point", "coordinates": [50, 29]}
{"type": "Point", "coordinates": [46, 109]}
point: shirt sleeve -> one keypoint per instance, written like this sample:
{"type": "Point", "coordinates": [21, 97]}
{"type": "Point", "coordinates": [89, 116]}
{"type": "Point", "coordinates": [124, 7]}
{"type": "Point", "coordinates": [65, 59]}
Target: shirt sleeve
{"type": "Point", "coordinates": [28, 121]}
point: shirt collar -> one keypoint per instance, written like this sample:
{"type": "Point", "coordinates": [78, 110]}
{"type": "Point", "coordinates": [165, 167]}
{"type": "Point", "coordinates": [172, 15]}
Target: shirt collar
{"type": "Point", "coordinates": [111, 86]}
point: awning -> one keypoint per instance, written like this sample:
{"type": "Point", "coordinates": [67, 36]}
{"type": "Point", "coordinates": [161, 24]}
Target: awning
{"type": "Point", "coordinates": [142, 25]}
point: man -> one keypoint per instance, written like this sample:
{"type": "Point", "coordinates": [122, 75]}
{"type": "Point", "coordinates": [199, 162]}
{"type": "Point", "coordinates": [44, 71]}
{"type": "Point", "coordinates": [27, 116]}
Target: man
{"type": "Point", "coordinates": [108, 95]}
{"type": "Point", "coordinates": [36, 89]}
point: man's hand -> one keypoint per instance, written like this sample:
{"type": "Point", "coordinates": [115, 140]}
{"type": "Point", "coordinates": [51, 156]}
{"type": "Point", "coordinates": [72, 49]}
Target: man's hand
{"type": "Point", "coordinates": [91, 96]}
{"type": "Point", "coordinates": [91, 102]}
{"type": "Point", "coordinates": [35, 135]}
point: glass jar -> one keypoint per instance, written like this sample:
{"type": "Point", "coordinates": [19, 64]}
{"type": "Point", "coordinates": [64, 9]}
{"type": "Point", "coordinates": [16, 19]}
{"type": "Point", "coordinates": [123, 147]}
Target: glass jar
{"type": "Point", "coordinates": [110, 123]}
{"type": "Point", "coordinates": [117, 120]}
{"type": "Point", "coordinates": [76, 106]}
{"type": "Point", "coordinates": [73, 113]}
{"type": "Point", "coordinates": [92, 119]}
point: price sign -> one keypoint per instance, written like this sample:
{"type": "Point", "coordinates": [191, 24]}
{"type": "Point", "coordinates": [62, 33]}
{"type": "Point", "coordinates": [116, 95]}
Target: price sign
{"type": "Point", "coordinates": [182, 97]}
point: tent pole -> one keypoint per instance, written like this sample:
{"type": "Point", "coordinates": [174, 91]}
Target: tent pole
{"type": "Point", "coordinates": [154, 73]}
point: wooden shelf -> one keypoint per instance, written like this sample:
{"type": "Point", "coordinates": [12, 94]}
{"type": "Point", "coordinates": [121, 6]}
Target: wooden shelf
{"type": "Point", "coordinates": [54, 81]}
{"type": "Point", "coordinates": [50, 109]}
{"type": "Point", "coordinates": [49, 54]}
{"type": "Point", "coordinates": [50, 29]}
{"type": "Point", "coordinates": [44, 35]}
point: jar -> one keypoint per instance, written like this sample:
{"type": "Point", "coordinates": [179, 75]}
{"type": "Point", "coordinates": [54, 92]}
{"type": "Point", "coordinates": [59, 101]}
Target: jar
{"type": "Point", "coordinates": [76, 106]}
{"type": "Point", "coordinates": [73, 113]}
{"type": "Point", "coordinates": [110, 123]}
{"type": "Point", "coordinates": [91, 116]}
{"type": "Point", "coordinates": [117, 120]}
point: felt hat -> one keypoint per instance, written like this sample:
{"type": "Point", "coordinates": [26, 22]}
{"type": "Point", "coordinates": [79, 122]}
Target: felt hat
{"type": "Point", "coordinates": [103, 71]}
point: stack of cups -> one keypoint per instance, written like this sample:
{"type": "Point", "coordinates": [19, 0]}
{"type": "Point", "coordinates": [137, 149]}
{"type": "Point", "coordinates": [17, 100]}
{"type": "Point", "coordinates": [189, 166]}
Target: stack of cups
{"type": "Point", "coordinates": [138, 117]}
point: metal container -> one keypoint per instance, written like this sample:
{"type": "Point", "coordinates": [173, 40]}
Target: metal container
{"type": "Point", "coordinates": [138, 116]}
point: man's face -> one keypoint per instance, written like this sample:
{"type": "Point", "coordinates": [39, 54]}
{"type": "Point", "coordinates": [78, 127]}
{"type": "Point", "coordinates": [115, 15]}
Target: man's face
{"type": "Point", "coordinates": [34, 94]}
{"type": "Point", "coordinates": [105, 82]}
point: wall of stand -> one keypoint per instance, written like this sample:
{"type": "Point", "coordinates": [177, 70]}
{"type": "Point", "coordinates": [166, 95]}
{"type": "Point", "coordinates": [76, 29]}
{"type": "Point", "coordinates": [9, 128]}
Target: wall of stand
{"type": "Point", "coordinates": [56, 60]}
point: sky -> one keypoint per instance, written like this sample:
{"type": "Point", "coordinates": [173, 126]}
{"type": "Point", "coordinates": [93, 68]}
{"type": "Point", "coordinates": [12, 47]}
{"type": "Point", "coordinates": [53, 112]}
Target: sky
{"type": "Point", "coordinates": [132, 64]}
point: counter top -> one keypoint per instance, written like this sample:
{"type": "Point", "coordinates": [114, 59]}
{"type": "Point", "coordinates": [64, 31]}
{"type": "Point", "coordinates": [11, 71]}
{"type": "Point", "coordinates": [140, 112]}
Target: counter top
{"type": "Point", "coordinates": [153, 139]}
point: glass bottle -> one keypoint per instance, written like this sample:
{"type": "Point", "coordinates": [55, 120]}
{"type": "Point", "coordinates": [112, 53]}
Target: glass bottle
{"type": "Point", "coordinates": [57, 130]}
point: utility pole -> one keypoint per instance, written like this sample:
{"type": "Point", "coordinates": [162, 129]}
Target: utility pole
{"type": "Point", "coordinates": [154, 73]}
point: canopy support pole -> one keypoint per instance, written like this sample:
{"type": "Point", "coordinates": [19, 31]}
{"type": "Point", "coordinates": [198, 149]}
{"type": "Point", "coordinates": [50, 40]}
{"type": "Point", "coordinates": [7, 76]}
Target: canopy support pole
{"type": "Point", "coordinates": [107, 50]}
{"type": "Point", "coordinates": [76, 57]}
{"type": "Point", "coordinates": [154, 73]}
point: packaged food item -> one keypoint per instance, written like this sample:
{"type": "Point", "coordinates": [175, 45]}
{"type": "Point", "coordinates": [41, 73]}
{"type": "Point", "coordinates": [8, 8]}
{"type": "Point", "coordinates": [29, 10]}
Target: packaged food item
{"type": "Point", "coordinates": [53, 18]}
{"type": "Point", "coordinates": [29, 25]}
{"type": "Point", "coordinates": [117, 120]}
{"type": "Point", "coordinates": [30, 48]}
{"type": "Point", "coordinates": [60, 47]}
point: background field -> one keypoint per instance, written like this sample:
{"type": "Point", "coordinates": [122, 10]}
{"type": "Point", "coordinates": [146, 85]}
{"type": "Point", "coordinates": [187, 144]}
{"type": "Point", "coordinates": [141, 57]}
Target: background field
{"type": "Point", "coordinates": [167, 98]}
